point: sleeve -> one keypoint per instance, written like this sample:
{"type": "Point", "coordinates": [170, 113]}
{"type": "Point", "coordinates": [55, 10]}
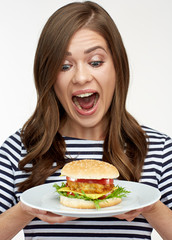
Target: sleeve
{"type": "Point", "coordinates": [165, 184]}
{"type": "Point", "coordinates": [9, 157]}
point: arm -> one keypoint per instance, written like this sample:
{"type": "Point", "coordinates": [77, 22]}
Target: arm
{"type": "Point", "coordinates": [160, 218]}
{"type": "Point", "coordinates": [17, 217]}
{"type": "Point", "coordinates": [12, 221]}
{"type": "Point", "coordinates": [158, 215]}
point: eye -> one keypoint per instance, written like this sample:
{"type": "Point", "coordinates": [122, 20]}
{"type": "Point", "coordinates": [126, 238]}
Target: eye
{"type": "Point", "coordinates": [96, 64]}
{"type": "Point", "coordinates": [65, 67]}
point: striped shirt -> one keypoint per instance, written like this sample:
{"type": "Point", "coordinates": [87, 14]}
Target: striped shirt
{"type": "Point", "coordinates": [157, 172]}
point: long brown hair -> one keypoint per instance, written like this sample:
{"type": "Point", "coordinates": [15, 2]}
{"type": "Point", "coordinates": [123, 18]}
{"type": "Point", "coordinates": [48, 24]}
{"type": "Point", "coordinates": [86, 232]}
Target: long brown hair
{"type": "Point", "coordinates": [125, 143]}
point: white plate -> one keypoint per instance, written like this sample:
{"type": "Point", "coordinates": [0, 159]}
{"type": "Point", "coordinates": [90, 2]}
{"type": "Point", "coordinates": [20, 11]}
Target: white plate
{"type": "Point", "coordinates": [44, 197]}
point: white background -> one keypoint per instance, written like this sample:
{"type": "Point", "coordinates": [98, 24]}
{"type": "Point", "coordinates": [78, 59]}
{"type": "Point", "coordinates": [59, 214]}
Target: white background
{"type": "Point", "coordinates": [146, 28]}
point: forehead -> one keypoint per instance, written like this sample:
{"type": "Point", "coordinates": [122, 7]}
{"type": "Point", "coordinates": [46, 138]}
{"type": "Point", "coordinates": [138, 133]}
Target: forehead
{"type": "Point", "coordinates": [86, 38]}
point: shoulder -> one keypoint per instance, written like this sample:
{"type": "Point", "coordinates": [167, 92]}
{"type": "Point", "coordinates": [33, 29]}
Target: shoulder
{"type": "Point", "coordinates": [157, 169]}
{"type": "Point", "coordinates": [13, 141]}
{"type": "Point", "coordinates": [154, 133]}
{"type": "Point", "coordinates": [155, 136]}
{"type": "Point", "coordinates": [159, 144]}
{"type": "Point", "coordinates": [12, 149]}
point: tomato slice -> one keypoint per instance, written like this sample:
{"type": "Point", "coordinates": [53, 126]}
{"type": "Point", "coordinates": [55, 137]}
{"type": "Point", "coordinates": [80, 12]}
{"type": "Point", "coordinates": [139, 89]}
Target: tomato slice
{"type": "Point", "coordinates": [104, 196]}
{"type": "Point", "coordinates": [103, 181]}
{"type": "Point", "coordinates": [70, 193]}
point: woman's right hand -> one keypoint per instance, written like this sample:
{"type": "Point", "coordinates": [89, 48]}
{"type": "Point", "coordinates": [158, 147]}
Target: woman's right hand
{"type": "Point", "coordinates": [45, 215]}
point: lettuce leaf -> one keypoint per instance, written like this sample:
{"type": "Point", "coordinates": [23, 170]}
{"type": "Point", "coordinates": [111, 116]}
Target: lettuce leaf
{"type": "Point", "coordinates": [117, 193]}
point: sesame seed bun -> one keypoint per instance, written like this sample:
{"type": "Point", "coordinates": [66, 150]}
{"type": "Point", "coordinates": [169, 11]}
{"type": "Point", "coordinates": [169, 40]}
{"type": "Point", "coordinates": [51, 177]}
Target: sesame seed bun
{"type": "Point", "coordinates": [89, 169]}
{"type": "Point", "coordinates": [83, 204]}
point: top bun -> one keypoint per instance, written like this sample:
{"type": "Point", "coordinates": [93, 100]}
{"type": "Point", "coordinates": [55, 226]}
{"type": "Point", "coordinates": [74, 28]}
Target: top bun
{"type": "Point", "coordinates": [89, 169]}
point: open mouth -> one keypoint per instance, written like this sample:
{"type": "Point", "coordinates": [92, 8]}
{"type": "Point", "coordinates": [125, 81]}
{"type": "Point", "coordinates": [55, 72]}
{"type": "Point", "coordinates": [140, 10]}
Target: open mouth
{"type": "Point", "coordinates": [85, 101]}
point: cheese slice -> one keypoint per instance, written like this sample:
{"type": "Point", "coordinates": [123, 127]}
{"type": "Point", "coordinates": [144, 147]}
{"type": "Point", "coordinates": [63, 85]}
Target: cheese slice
{"type": "Point", "coordinates": [90, 195]}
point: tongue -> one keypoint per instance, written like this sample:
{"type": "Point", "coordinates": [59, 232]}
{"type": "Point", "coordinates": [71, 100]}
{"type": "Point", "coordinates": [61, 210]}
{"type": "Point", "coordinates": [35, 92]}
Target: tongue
{"type": "Point", "coordinates": [86, 102]}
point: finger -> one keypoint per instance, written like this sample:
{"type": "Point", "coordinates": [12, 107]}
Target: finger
{"type": "Point", "coordinates": [129, 216]}
{"type": "Point", "coordinates": [37, 211]}
{"type": "Point", "coordinates": [136, 211]}
{"type": "Point", "coordinates": [34, 211]}
{"type": "Point", "coordinates": [54, 218]}
{"type": "Point", "coordinates": [30, 210]}
{"type": "Point", "coordinates": [46, 216]}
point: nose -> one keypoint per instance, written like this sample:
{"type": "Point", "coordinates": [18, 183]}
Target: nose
{"type": "Point", "coordinates": [82, 74]}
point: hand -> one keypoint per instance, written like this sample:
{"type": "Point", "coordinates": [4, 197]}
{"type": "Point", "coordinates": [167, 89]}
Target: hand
{"type": "Point", "coordinates": [131, 215]}
{"type": "Point", "coordinates": [45, 215]}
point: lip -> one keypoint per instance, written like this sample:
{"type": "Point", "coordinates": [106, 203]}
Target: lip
{"type": "Point", "coordinates": [81, 111]}
{"type": "Point", "coordinates": [83, 91]}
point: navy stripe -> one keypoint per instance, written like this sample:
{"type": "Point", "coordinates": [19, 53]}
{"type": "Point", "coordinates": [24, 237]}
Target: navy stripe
{"type": "Point", "coordinates": [155, 150]}
{"type": "Point", "coordinates": [158, 143]}
{"type": "Point", "coordinates": [13, 147]}
{"type": "Point", "coordinates": [7, 191]}
{"type": "Point", "coordinates": [6, 173]}
{"type": "Point", "coordinates": [2, 205]}
{"type": "Point", "coordinates": [154, 156]}
{"type": "Point", "coordinates": [2, 156]}
{"type": "Point", "coordinates": [169, 185]}
{"type": "Point", "coordinates": [16, 140]}
{"type": "Point", "coordinates": [151, 184]}
{"type": "Point", "coordinates": [149, 177]}
{"type": "Point", "coordinates": [165, 195]}
{"type": "Point", "coordinates": [7, 199]}
{"type": "Point", "coordinates": [151, 170]}
{"type": "Point", "coordinates": [167, 154]}
{"type": "Point", "coordinates": [9, 183]}
{"type": "Point", "coordinates": [3, 164]}
{"type": "Point", "coordinates": [153, 163]}
{"type": "Point", "coordinates": [6, 150]}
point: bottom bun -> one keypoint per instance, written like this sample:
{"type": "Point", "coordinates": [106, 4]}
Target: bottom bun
{"type": "Point", "coordinates": [83, 204]}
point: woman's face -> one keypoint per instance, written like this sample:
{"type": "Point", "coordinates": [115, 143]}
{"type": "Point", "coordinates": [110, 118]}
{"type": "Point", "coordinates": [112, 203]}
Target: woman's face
{"type": "Point", "coordinates": [85, 85]}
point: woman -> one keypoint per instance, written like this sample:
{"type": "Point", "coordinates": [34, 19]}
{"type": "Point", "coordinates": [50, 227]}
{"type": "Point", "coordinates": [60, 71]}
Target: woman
{"type": "Point", "coordinates": [81, 76]}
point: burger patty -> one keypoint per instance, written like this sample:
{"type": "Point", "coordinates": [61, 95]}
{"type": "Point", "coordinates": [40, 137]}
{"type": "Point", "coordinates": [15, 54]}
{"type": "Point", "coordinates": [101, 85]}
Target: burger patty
{"type": "Point", "coordinates": [89, 187]}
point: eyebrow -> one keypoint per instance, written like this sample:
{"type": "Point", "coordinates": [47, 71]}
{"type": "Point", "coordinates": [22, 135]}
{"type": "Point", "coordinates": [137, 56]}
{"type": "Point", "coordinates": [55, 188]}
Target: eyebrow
{"type": "Point", "coordinates": [93, 49]}
{"type": "Point", "coordinates": [89, 50]}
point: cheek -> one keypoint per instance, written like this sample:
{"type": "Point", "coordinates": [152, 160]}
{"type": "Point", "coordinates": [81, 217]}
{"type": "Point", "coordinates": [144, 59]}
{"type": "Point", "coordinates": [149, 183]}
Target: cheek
{"type": "Point", "coordinates": [59, 89]}
{"type": "Point", "coordinates": [59, 85]}
{"type": "Point", "coordinates": [109, 93]}
{"type": "Point", "coordinates": [108, 87]}
{"type": "Point", "coordinates": [108, 82]}
{"type": "Point", "coordinates": [56, 89]}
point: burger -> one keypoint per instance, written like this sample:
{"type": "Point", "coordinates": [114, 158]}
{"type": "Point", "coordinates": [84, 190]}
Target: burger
{"type": "Point", "coordinates": [90, 184]}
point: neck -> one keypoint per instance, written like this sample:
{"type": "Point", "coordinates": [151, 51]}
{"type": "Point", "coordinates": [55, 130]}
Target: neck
{"type": "Point", "coordinates": [76, 131]}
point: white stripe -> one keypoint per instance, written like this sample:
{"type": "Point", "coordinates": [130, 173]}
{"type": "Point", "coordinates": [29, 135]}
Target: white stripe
{"type": "Point", "coordinates": [92, 156]}
{"type": "Point", "coordinates": [81, 141]}
{"type": "Point", "coordinates": [158, 153]}
{"type": "Point", "coordinates": [80, 150]}
{"type": "Point", "coordinates": [103, 231]}
{"type": "Point", "coordinates": [78, 238]}
{"type": "Point", "coordinates": [165, 183]}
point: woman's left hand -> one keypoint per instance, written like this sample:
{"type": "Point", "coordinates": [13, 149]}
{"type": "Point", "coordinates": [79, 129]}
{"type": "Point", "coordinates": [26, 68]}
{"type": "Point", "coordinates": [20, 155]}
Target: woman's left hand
{"type": "Point", "coordinates": [131, 215]}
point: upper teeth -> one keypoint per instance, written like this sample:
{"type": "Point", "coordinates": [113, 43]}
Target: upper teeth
{"type": "Point", "coordinates": [84, 95]}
